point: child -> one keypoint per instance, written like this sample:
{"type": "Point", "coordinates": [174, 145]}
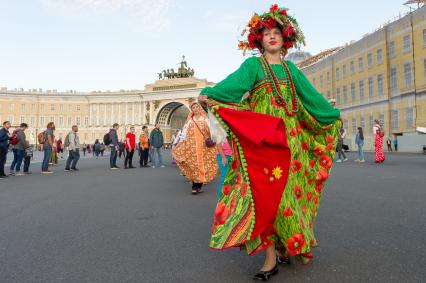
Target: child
{"type": "Point", "coordinates": [223, 159]}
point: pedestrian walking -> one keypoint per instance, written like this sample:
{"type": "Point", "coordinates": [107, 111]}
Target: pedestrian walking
{"type": "Point", "coordinates": [97, 148]}
{"type": "Point", "coordinates": [224, 155]}
{"type": "Point", "coordinates": [144, 147]}
{"type": "Point", "coordinates": [359, 140]}
{"type": "Point", "coordinates": [72, 141]}
{"type": "Point", "coordinates": [341, 137]}
{"type": "Point", "coordinates": [195, 158]}
{"type": "Point", "coordinates": [395, 143]}
{"type": "Point", "coordinates": [47, 139]}
{"type": "Point", "coordinates": [271, 196]}
{"type": "Point", "coordinates": [18, 142]}
{"type": "Point", "coordinates": [379, 133]}
{"type": "Point", "coordinates": [29, 153]}
{"type": "Point", "coordinates": [389, 144]}
{"type": "Point", "coordinates": [60, 148]}
{"type": "Point", "coordinates": [156, 141]}
{"type": "Point", "coordinates": [103, 148]}
{"type": "Point", "coordinates": [130, 145]}
{"type": "Point", "coordinates": [4, 146]}
{"type": "Point", "coordinates": [121, 149]}
{"type": "Point", "coordinates": [84, 149]}
{"type": "Point", "coordinates": [113, 144]}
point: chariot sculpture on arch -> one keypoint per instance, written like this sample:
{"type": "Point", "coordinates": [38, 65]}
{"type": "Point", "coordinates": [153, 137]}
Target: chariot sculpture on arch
{"type": "Point", "coordinates": [183, 71]}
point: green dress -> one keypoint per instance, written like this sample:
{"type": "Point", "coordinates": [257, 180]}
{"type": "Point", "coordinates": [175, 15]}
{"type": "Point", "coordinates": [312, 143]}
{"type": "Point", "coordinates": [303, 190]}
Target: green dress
{"type": "Point", "coordinates": [311, 128]}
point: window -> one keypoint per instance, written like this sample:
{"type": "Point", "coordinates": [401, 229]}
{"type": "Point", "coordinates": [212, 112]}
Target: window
{"type": "Point", "coordinates": [379, 56]}
{"type": "Point", "coordinates": [344, 70]}
{"type": "Point", "coordinates": [345, 95]}
{"type": "Point", "coordinates": [338, 96]}
{"type": "Point", "coordinates": [362, 122]}
{"type": "Point", "coordinates": [69, 121]}
{"type": "Point", "coordinates": [69, 108]}
{"type": "Point", "coordinates": [407, 43]}
{"type": "Point", "coordinates": [360, 64]}
{"type": "Point", "coordinates": [52, 119]}
{"type": "Point", "coordinates": [352, 67]}
{"type": "Point", "coordinates": [32, 107]}
{"type": "Point", "coordinates": [337, 74]}
{"type": "Point", "coordinates": [61, 121]}
{"type": "Point", "coordinates": [11, 119]}
{"type": "Point", "coordinates": [370, 87]}
{"type": "Point", "coordinates": [32, 121]}
{"type": "Point", "coordinates": [22, 119]}
{"type": "Point", "coordinates": [392, 49]}
{"type": "Point", "coordinates": [370, 60]}
{"type": "Point", "coordinates": [321, 81]}
{"type": "Point", "coordinates": [41, 107]}
{"type": "Point", "coordinates": [393, 80]}
{"type": "Point", "coordinates": [346, 124]}
{"type": "Point", "coordinates": [77, 121]}
{"type": "Point", "coordinates": [394, 119]}
{"type": "Point", "coordinates": [52, 107]}
{"type": "Point", "coordinates": [328, 76]}
{"type": "Point", "coordinates": [407, 74]}
{"type": "Point", "coordinates": [409, 117]}
{"type": "Point", "coordinates": [424, 69]}
{"type": "Point", "coordinates": [353, 92]}
{"type": "Point", "coordinates": [382, 118]}
{"type": "Point", "coordinates": [424, 37]}
{"type": "Point", "coordinates": [354, 125]}
{"type": "Point", "coordinates": [380, 88]}
{"type": "Point", "coordinates": [371, 123]}
{"type": "Point", "coordinates": [328, 95]}
{"type": "Point", "coordinates": [361, 91]}
{"type": "Point", "coordinates": [86, 121]}
{"type": "Point", "coordinates": [42, 121]}
{"type": "Point", "coordinates": [61, 107]}
{"type": "Point", "coordinates": [22, 107]}
{"type": "Point", "coordinates": [78, 107]}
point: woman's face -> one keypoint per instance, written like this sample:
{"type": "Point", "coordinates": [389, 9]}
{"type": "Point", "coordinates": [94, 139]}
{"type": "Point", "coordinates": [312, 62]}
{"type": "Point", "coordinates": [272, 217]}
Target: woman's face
{"type": "Point", "coordinates": [195, 109]}
{"type": "Point", "coordinates": [272, 40]}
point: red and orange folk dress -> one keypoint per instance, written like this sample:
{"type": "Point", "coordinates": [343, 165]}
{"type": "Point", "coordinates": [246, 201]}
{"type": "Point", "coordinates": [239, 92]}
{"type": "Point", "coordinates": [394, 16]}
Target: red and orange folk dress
{"type": "Point", "coordinates": [283, 135]}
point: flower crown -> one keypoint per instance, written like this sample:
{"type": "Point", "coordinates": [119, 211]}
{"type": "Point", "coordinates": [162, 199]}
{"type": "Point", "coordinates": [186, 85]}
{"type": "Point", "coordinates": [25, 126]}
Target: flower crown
{"type": "Point", "coordinates": [276, 17]}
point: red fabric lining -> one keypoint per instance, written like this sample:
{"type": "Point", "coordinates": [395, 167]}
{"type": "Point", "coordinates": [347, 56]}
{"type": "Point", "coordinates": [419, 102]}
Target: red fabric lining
{"type": "Point", "coordinates": [264, 142]}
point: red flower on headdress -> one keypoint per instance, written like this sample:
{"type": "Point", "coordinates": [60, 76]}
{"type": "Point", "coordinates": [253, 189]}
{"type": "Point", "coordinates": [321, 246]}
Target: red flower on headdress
{"type": "Point", "coordinates": [226, 190]}
{"type": "Point", "coordinates": [288, 44]}
{"type": "Point", "coordinates": [295, 243]}
{"type": "Point", "coordinates": [274, 8]}
{"type": "Point", "coordinates": [269, 23]}
{"type": "Point", "coordinates": [298, 192]}
{"type": "Point", "coordinates": [287, 212]}
{"type": "Point", "coordinates": [325, 161]}
{"type": "Point", "coordinates": [296, 165]}
{"type": "Point", "coordinates": [283, 12]}
{"type": "Point", "coordinates": [252, 37]}
{"type": "Point", "coordinates": [221, 214]}
{"type": "Point", "coordinates": [288, 32]}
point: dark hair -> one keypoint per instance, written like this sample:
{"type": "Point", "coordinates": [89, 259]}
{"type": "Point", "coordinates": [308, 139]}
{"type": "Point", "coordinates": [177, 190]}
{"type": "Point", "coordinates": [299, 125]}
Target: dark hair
{"type": "Point", "coordinates": [144, 127]}
{"type": "Point", "coordinates": [361, 133]}
{"type": "Point", "coordinates": [23, 125]}
{"type": "Point", "coordinates": [50, 124]}
{"type": "Point", "coordinates": [114, 125]}
{"type": "Point", "coordinates": [5, 122]}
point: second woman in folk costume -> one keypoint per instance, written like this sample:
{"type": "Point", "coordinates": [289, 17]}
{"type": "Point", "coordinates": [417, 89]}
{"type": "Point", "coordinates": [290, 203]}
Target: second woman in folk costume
{"type": "Point", "coordinates": [283, 136]}
{"type": "Point", "coordinates": [379, 133]}
{"type": "Point", "coordinates": [195, 159]}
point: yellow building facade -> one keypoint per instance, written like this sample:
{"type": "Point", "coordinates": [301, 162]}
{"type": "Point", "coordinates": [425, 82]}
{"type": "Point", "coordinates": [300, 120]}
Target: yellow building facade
{"type": "Point", "coordinates": [382, 76]}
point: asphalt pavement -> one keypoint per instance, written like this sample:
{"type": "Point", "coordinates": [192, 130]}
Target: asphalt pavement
{"type": "Point", "coordinates": [143, 225]}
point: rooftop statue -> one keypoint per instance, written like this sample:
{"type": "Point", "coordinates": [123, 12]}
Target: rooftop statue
{"type": "Point", "coordinates": [183, 71]}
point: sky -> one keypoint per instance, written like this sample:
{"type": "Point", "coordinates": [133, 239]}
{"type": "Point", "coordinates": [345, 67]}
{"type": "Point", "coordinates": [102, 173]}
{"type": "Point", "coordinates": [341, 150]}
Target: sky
{"type": "Point", "coordinates": [89, 45]}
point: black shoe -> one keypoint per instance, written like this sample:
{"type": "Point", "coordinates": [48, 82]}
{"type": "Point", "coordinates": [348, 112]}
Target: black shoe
{"type": "Point", "coordinates": [283, 260]}
{"type": "Point", "coordinates": [131, 167]}
{"type": "Point", "coordinates": [266, 275]}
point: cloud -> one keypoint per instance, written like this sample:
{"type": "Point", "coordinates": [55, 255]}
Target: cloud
{"type": "Point", "coordinates": [152, 12]}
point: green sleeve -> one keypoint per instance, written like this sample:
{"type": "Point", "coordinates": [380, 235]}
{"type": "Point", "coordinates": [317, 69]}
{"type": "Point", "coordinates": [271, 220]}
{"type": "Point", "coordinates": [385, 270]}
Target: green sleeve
{"type": "Point", "coordinates": [311, 99]}
{"type": "Point", "coordinates": [233, 87]}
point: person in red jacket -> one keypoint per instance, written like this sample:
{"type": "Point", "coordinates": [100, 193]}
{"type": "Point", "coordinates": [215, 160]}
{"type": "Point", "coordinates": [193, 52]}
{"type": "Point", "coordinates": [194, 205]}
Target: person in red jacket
{"type": "Point", "coordinates": [130, 146]}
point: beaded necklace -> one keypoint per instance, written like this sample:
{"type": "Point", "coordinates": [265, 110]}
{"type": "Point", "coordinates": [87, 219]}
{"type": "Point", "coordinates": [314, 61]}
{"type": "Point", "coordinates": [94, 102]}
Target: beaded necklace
{"type": "Point", "coordinates": [277, 93]}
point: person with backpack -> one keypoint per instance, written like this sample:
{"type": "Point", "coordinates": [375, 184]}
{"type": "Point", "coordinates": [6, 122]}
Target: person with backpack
{"type": "Point", "coordinates": [4, 146]}
{"type": "Point", "coordinates": [359, 140]}
{"type": "Point", "coordinates": [156, 141]}
{"type": "Point", "coordinates": [111, 140]}
{"type": "Point", "coordinates": [143, 147]}
{"type": "Point", "coordinates": [341, 137]}
{"type": "Point", "coordinates": [379, 133]}
{"type": "Point", "coordinates": [48, 142]}
{"type": "Point", "coordinates": [72, 141]}
{"type": "Point", "coordinates": [17, 141]}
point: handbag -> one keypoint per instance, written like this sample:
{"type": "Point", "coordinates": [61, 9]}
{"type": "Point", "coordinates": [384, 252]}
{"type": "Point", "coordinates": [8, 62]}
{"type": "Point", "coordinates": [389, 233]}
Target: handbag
{"type": "Point", "coordinates": [209, 142]}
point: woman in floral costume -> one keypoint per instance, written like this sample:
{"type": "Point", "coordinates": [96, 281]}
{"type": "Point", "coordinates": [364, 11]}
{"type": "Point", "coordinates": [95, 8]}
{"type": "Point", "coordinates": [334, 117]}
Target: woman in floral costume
{"type": "Point", "coordinates": [195, 159]}
{"type": "Point", "coordinates": [283, 134]}
{"type": "Point", "coordinates": [378, 141]}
